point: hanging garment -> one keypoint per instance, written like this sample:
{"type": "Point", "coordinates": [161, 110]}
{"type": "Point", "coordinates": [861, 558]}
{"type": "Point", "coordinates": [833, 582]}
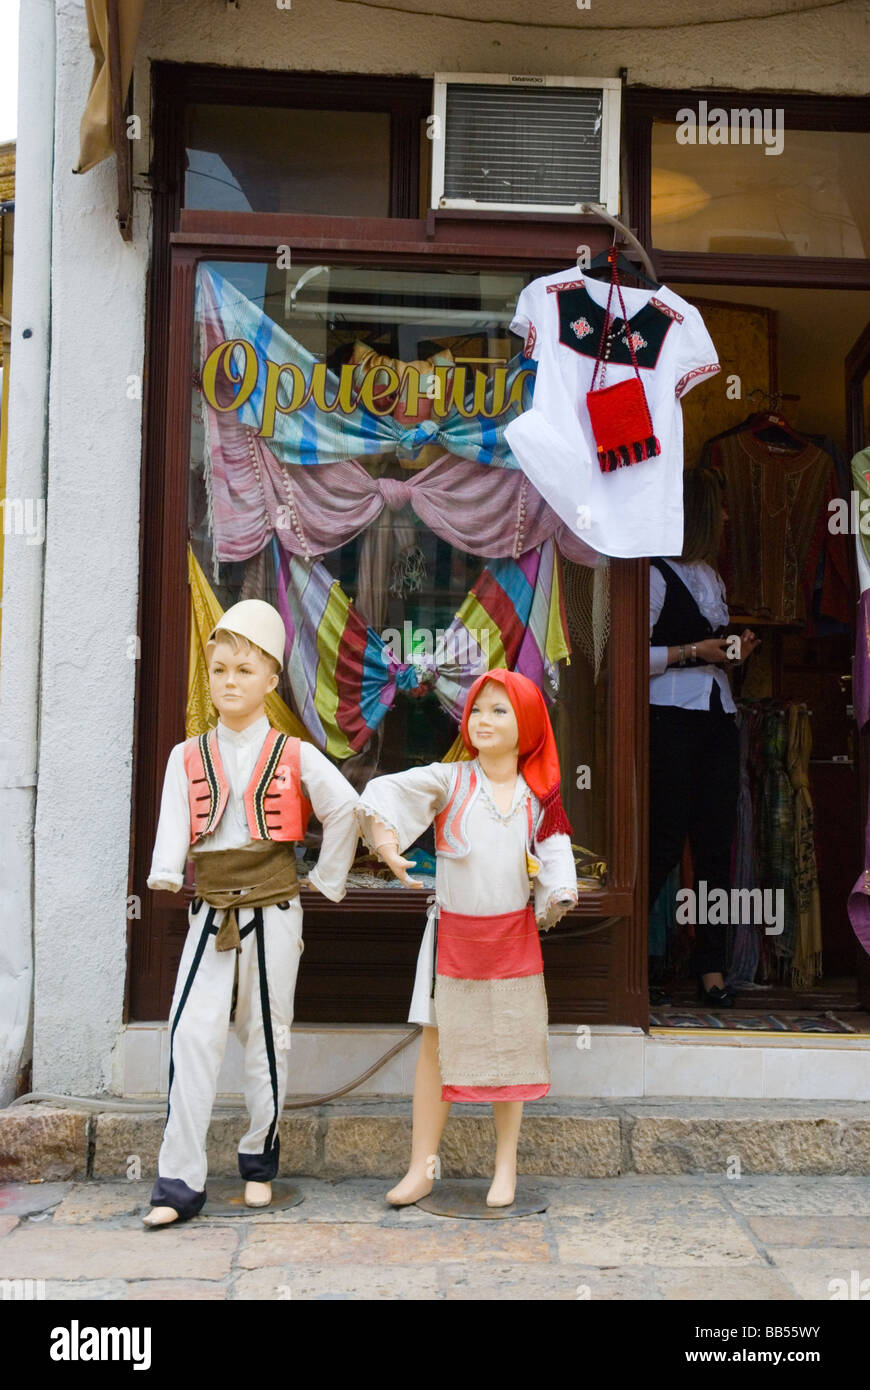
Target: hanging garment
{"type": "Point", "coordinates": [745, 956]}
{"type": "Point", "coordinates": [618, 414]}
{"type": "Point", "coordinates": [345, 676]}
{"type": "Point", "coordinates": [859, 898]}
{"type": "Point", "coordinates": [252, 496]}
{"type": "Point", "coordinates": [483, 876]}
{"type": "Point", "coordinates": [807, 962]}
{"type": "Point", "coordinates": [632, 511]}
{"type": "Point", "coordinates": [776, 839]}
{"type": "Point", "coordinates": [777, 529]}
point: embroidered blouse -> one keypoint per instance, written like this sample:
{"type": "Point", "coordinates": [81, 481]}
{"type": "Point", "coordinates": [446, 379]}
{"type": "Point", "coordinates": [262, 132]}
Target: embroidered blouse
{"type": "Point", "coordinates": [636, 510]}
{"type": "Point", "coordinates": [492, 877]}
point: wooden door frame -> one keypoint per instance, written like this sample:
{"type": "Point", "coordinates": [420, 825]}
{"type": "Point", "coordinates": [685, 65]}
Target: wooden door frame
{"type": "Point", "coordinates": [857, 367]}
{"type": "Point", "coordinates": [600, 978]}
{"type": "Point", "coordinates": [612, 919]}
{"type": "Point", "coordinates": [613, 984]}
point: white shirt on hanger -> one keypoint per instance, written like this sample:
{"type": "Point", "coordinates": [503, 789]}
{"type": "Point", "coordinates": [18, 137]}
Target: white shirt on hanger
{"type": "Point", "coordinates": [688, 687]}
{"type": "Point", "coordinates": [635, 510]}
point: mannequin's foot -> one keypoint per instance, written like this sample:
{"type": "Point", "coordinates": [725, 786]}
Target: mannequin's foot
{"type": "Point", "coordinates": [258, 1194]}
{"type": "Point", "coordinates": [412, 1187]}
{"type": "Point", "coordinates": [160, 1216]}
{"type": "Point", "coordinates": [502, 1191]}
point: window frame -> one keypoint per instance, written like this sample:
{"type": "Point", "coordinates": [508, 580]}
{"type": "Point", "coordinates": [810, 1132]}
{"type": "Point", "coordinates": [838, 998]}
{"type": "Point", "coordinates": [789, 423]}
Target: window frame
{"type": "Point", "coordinates": [642, 107]}
{"type": "Point", "coordinates": [602, 980]}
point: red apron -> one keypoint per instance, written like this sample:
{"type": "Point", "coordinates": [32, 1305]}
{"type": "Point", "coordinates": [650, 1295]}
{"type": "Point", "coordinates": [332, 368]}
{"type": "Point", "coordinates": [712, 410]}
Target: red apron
{"type": "Point", "coordinates": [491, 1007]}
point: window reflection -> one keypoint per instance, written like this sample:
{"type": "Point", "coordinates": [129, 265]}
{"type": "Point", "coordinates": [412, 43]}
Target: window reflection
{"type": "Point", "coordinates": [364, 525]}
{"type": "Point", "coordinates": [807, 200]}
{"type": "Point", "coordinates": [277, 159]}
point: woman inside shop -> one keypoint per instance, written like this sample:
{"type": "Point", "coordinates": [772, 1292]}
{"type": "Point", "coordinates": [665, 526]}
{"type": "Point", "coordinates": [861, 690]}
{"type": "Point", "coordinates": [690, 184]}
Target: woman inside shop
{"type": "Point", "coordinates": [693, 731]}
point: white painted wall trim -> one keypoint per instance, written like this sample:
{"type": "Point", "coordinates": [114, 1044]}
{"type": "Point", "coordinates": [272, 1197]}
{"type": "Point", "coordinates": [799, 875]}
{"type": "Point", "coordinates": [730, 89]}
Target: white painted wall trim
{"type": "Point", "coordinates": [24, 554]}
{"type": "Point", "coordinates": [617, 1063]}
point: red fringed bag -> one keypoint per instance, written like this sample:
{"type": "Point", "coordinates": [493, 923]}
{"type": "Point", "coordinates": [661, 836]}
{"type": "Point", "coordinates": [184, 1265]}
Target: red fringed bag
{"type": "Point", "coordinates": [619, 415]}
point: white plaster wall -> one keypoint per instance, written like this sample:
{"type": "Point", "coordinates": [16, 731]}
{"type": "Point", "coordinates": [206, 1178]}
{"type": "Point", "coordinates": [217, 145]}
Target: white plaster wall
{"type": "Point", "coordinates": [808, 45]}
{"type": "Point", "coordinates": [23, 560]}
{"type": "Point", "coordinates": [98, 310]}
{"type": "Point", "coordinates": [82, 832]}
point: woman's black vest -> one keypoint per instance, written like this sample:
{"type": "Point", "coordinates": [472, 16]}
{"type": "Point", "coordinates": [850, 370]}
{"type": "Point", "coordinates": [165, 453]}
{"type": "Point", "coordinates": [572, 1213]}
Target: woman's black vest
{"type": "Point", "coordinates": [681, 620]}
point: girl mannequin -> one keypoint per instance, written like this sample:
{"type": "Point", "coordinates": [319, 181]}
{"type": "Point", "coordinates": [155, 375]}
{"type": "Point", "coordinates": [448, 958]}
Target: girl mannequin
{"type": "Point", "coordinates": [479, 993]}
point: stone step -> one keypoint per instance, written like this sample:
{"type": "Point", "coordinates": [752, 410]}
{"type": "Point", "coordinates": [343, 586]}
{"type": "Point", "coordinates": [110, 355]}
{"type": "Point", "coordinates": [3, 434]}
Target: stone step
{"type": "Point", "coordinates": [603, 1139]}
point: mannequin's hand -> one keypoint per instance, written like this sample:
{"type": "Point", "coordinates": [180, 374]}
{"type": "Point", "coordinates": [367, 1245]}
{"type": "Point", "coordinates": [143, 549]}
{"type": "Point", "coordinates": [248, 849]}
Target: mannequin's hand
{"type": "Point", "coordinates": [393, 860]}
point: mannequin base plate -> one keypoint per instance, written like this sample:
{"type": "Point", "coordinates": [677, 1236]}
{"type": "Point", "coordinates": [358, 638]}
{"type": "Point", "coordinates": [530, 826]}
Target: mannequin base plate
{"type": "Point", "coordinates": [226, 1197]}
{"type": "Point", "coordinates": [468, 1200]}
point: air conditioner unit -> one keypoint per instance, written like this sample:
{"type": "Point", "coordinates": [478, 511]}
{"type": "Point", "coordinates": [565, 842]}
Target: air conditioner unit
{"type": "Point", "coordinates": [525, 144]}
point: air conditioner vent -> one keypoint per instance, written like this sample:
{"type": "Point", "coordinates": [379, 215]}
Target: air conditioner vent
{"type": "Point", "coordinates": [549, 146]}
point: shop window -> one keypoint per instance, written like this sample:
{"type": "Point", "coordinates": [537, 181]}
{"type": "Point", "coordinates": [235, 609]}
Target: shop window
{"type": "Point", "coordinates": [281, 159]}
{"type": "Point", "coordinates": [348, 464]}
{"type": "Point", "coordinates": [771, 189]}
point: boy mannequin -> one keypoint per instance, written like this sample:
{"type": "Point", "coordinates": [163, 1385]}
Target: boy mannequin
{"type": "Point", "coordinates": [235, 800]}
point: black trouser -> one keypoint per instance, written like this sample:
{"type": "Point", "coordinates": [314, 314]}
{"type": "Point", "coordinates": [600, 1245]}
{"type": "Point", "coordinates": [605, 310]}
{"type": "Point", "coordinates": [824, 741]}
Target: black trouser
{"type": "Point", "coordinates": [693, 783]}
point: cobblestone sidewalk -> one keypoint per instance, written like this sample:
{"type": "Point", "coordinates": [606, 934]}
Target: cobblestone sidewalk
{"type": "Point", "coordinates": [628, 1238]}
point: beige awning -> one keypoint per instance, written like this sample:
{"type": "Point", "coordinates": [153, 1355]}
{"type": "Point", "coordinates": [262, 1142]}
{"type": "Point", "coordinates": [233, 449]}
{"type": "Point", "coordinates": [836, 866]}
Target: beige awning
{"type": "Point", "coordinates": [96, 139]}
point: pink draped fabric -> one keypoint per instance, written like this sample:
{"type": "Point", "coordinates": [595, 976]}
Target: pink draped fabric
{"type": "Point", "coordinates": [483, 510]}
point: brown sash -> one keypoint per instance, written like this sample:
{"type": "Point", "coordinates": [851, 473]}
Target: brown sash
{"type": "Point", "coordinates": [234, 878]}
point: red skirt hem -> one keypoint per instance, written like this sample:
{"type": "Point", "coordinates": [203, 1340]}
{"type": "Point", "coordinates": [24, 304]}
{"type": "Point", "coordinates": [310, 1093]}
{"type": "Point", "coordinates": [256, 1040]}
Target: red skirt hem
{"type": "Point", "coordinates": [490, 1093]}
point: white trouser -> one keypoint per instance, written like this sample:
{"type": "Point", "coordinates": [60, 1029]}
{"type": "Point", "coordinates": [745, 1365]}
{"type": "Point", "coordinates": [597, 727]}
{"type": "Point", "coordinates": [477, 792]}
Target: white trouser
{"type": "Point", "coordinates": [199, 1023]}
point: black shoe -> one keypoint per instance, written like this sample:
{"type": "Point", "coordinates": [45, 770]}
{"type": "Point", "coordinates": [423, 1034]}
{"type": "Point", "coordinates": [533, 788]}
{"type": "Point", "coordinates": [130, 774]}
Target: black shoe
{"type": "Point", "coordinates": [716, 997]}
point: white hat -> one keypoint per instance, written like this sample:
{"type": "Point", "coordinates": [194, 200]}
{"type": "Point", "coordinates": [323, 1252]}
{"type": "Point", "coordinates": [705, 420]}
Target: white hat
{"type": "Point", "coordinates": [259, 622]}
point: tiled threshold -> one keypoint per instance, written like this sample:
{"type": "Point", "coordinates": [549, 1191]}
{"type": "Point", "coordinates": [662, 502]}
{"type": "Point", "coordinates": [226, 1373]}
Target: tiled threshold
{"type": "Point", "coordinates": [598, 1062]}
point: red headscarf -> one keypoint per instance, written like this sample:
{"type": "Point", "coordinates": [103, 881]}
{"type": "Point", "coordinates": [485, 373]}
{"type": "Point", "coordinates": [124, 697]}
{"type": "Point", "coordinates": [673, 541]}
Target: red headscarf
{"type": "Point", "coordinates": [538, 760]}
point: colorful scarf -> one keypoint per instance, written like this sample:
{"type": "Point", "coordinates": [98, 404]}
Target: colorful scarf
{"type": "Point", "coordinates": [345, 677]}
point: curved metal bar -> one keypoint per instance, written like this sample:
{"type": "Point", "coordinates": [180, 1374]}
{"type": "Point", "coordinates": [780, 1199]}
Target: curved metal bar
{"type": "Point", "coordinates": [632, 240]}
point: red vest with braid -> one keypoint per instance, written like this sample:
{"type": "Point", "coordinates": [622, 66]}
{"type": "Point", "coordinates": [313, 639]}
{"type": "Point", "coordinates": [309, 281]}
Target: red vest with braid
{"type": "Point", "coordinates": [275, 807]}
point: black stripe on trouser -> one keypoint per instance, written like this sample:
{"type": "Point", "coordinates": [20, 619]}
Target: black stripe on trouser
{"type": "Point", "coordinates": [208, 930]}
{"type": "Point", "coordinates": [173, 1192]}
{"type": "Point", "coordinates": [263, 1167]}
{"type": "Point", "coordinates": [434, 955]}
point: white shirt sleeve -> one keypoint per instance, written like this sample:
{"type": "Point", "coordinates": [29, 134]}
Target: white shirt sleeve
{"type": "Point", "coordinates": [407, 802]}
{"type": "Point", "coordinates": [334, 803]}
{"type": "Point", "coordinates": [658, 656]}
{"type": "Point", "coordinates": [697, 356]}
{"type": "Point", "coordinates": [172, 841]}
{"type": "Point", "coordinates": [523, 323]}
{"type": "Point", "coordinates": [555, 886]}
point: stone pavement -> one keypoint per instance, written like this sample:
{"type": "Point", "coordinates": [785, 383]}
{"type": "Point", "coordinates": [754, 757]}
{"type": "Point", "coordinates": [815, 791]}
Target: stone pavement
{"type": "Point", "coordinates": [635, 1237]}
